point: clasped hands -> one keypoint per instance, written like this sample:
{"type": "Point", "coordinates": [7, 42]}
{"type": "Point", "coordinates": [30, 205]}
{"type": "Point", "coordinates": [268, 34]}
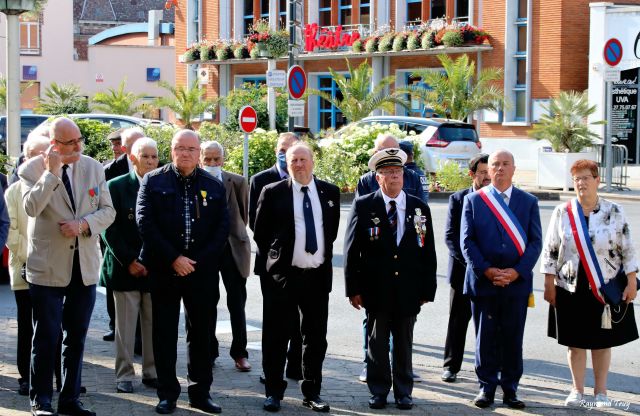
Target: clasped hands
{"type": "Point", "coordinates": [183, 266]}
{"type": "Point", "coordinates": [501, 277]}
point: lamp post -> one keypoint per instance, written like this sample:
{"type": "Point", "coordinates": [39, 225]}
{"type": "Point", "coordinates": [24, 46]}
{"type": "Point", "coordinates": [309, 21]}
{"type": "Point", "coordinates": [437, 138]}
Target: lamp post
{"type": "Point", "coordinates": [12, 9]}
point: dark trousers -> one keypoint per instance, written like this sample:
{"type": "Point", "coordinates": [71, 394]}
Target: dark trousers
{"type": "Point", "coordinates": [196, 295]}
{"type": "Point", "coordinates": [25, 333]}
{"type": "Point", "coordinates": [111, 308]}
{"type": "Point", "coordinates": [305, 291]}
{"type": "Point", "coordinates": [53, 307]}
{"type": "Point", "coordinates": [499, 323]}
{"type": "Point", "coordinates": [236, 287]}
{"type": "Point", "coordinates": [380, 326]}
{"type": "Point", "coordinates": [459, 317]}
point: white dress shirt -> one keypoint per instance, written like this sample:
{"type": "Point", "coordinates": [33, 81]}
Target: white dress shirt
{"type": "Point", "coordinates": [507, 192]}
{"type": "Point", "coordinates": [129, 163]}
{"type": "Point", "coordinates": [301, 258]}
{"type": "Point", "coordinates": [401, 208]}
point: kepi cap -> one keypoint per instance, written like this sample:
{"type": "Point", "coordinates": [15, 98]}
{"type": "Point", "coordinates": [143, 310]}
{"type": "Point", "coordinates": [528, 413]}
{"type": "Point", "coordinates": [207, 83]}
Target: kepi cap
{"type": "Point", "coordinates": [116, 135]}
{"type": "Point", "coordinates": [387, 157]}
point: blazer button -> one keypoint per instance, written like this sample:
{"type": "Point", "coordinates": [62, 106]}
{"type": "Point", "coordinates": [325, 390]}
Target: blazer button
{"type": "Point", "coordinates": [395, 256]}
{"type": "Point", "coordinates": [503, 245]}
{"type": "Point", "coordinates": [396, 273]}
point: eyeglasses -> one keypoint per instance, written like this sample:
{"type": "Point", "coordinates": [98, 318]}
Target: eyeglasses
{"type": "Point", "coordinates": [577, 179]}
{"type": "Point", "coordinates": [390, 172]}
{"type": "Point", "coordinates": [181, 149]}
{"type": "Point", "coordinates": [79, 140]}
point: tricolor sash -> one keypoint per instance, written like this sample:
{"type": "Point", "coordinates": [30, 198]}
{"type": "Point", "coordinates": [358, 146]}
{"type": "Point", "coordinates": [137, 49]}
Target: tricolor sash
{"type": "Point", "coordinates": [588, 258]}
{"type": "Point", "coordinates": [505, 217]}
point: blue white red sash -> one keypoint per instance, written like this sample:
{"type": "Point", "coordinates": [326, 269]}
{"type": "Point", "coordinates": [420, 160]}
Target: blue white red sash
{"type": "Point", "coordinates": [588, 258]}
{"type": "Point", "coordinates": [505, 217]}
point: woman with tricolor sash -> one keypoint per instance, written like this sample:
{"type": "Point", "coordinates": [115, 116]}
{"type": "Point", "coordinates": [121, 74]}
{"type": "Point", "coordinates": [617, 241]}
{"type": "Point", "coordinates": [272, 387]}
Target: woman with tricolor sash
{"type": "Point", "coordinates": [590, 269]}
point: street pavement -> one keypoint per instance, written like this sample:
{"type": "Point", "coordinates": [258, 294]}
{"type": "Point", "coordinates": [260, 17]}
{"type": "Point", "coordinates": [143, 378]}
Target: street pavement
{"type": "Point", "coordinates": [545, 383]}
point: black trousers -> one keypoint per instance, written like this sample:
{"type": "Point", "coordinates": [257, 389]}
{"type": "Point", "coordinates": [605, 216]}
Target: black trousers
{"type": "Point", "coordinates": [459, 317]}
{"type": "Point", "coordinates": [196, 295]}
{"type": "Point", "coordinates": [306, 292]}
{"type": "Point", "coordinates": [380, 326]}
{"type": "Point", "coordinates": [25, 333]}
{"type": "Point", "coordinates": [236, 287]}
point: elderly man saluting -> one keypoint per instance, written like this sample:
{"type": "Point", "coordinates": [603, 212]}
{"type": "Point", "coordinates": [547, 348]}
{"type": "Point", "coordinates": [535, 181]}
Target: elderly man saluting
{"type": "Point", "coordinates": [67, 200]}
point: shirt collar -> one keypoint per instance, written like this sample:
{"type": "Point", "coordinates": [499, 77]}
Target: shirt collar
{"type": "Point", "coordinates": [184, 178]}
{"type": "Point", "coordinates": [129, 162]}
{"type": "Point", "coordinates": [138, 176]}
{"type": "Point", "coordinates": [401, 199]}
{"type": "Point", "coordinates": [298, 186]}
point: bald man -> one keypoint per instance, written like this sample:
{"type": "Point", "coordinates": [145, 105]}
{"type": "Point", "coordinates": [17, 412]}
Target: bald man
{"type": "Point", "coordinates": [65, 195]}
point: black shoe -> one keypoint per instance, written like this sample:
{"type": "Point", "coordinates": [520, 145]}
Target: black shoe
{"type": "Point", "coordinates": [151, 382]}
{"type": "Point", "coordinates": [42, 410]}
{"type": "Point", "coordinates": [513, 402]}
{"type": "Point", "coordinates": [124, 387]}
{"type": "Point", "coordinates": [83, 390]}
{"type": "Point", "coordinates": [404, 403]}
{"type": "Point", "coordinates": [271, 404]}
{"type": "Point", "coordinates": [377, 402]}
{"type": "Point", "coordinates": [75, 408]}
{"type": "Point", "coordinates": [206, 405]}
{"type": "Point", "coordinates": [483, 400]}
{"type": "Point", "coordinates": [448, 376]}
{"type": "Point", "coordinates": [166, 407]}
{"type": "Point", "coordinates": [23, 390]}
{"type": "Point", "coordinates": [316, 404]}
{"type": "Point", "coordinates": [110, 335]}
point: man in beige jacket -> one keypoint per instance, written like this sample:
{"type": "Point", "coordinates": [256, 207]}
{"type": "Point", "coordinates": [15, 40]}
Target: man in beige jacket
{"type": "Point", "coordinates": [67, 200]}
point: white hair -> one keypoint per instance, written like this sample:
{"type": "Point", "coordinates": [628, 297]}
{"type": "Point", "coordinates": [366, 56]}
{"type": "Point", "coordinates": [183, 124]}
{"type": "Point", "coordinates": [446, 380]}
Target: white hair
{"type": "Point", "coordinates": [211, 145]}
{"type": "Point", "coordinates": [381, 138]}
{"type": "Point", "coordinates": [141, 143]}
{"type": "Point", "coordinates": [126, 135]}
{"type": "Point", "coordinates": [32, 142]}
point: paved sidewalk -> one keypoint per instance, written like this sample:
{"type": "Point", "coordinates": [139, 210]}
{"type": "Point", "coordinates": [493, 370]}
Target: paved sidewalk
{"type": "Point", "coordinates": [242, 394]}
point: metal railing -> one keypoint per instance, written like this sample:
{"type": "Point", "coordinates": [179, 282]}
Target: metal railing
{"type": "Point", "coordinates": [619, 171]}
{"type": "Point", "coordinates": [364, 29]}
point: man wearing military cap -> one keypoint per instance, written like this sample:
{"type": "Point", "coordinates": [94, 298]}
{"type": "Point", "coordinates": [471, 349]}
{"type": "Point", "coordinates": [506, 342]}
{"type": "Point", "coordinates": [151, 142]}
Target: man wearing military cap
{"type": "Point", "coordinates": [115, 138]}
{"type": "Point", "coordinates": [390, 270]}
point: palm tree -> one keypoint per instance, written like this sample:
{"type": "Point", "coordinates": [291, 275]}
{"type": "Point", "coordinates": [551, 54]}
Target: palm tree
{"type": "Point", "coordinates": [117, 101]}
{"type": "Point", "coordinates": [62, 99]}
{"type": "Point", "coordinates": [358, 100]}
{"type": "Point", "coordinates": [457, 92]}
{"type": "Point", "coordinates": [186, 103]}
{"type": "Point", "coordinates": [565, 124]}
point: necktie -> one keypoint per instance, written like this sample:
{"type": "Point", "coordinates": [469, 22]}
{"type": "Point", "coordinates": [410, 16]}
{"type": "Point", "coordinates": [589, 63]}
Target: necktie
{"type": "Point", "coordinates": [67, 185]}
{"type": "Point", "coordinates": [505, 198]}
{"type": "Point", "coordinates": [393, 220]}
{"type": "Point", "coordinates": [311, 243]}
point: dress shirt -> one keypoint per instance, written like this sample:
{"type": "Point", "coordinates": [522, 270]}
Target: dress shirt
{"type": "Point", "coordinates": [508, 192]}
{"type": "Point", "coordinates": [401, 207]}
{"type": "Point", "coordinates": [301, 258]}
{"type": "Point", "coordinates": [139, 178]}
{"type": "Point", "coordinates": [129, 163]}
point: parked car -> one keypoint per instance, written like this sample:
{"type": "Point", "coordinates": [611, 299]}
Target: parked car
{"type": "Point", "coordinates": [27, 123]}
{"type": "Point", "coordinates": [439, 139]}
{"type": "Point", "coordinates": [117, 121]}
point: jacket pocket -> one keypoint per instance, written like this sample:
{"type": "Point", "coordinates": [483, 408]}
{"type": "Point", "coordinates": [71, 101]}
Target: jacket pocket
{"type": "Point", "coordinates": [38, 255]}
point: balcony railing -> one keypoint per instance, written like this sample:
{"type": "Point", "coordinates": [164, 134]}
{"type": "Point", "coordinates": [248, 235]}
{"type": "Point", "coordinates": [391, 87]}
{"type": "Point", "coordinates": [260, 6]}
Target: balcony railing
{"type": "Point", "coordinates": [364, 29]}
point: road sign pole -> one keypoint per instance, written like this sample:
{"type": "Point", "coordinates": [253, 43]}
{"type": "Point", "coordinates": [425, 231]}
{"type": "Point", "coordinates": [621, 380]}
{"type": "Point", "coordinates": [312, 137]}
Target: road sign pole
{"type": "Point", "coordinates": [292, 40]}
{"type": "Point", "coordinates": [271, 97]}
{"type": "Point", "coordinates": [245, 157]}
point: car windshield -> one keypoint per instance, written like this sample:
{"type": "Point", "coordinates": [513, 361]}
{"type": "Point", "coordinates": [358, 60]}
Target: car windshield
{"type": "Point", "coordinates": [458, 133]}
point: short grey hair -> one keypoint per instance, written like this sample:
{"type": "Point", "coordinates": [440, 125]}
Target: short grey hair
{"type": "Point", "coordinates": [33, 142]}
{"type": "Point", "coordinates": [141, 143]}
{"type": "Point", "coordinates": [381, 138]}
{"type": "Point", "coordinates": [126, 134]}
{"type": "Point", "coordinates": [211, 145]}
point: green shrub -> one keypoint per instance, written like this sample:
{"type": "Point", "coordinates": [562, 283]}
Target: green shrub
{"type": "Point", "coordinates": [413, 41]}
{"type": "Point", "coordinates": [257, 98]}
{"type": "Point", "coordinates": [428, 39]}
{"type": "Point", "coordinates": [449, 177]}
{"type": "Point", "coordinates": [358, 140]}
{"type": "Point", "coordinates": [357, 46]}
{"type": "Point", "coordinates": [337, 165]}
{"type": "Point", "coordinates": [229, 139]}
{"type": "Point", "coordinates": [399, 42]}
{"type": "Point", "coordinates": [453, 38]}
{"type": "Point", "coordinates": [96, 143]}
{"type": "Point", "coordinates": [386, 43]}
{"type": "Point", "coordinates": [262, 153]}
{"type": "Point", "coordinates": [162, 135]}
{"type": "Point", "coordinates": [371, 44]}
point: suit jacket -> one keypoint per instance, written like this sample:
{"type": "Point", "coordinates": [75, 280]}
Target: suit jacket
{"type": "Point", "coordinates": [389, 277]}
{"type": "Point", "coordinates": [122, 240]}
{"type": "Point", "coordinates": [160, 219]}
{"type": "Point", "coordinates": [457, 263]}
{"type": "Point", "coordinates": [275, 228]}
{"type": "Point", "coordinates": [118, 167]}
{"type": "Point", "coordinates": [412, 184]}
{"type": "Point", "coordinates": [45, 199]}
{"type": "Point", "coordinates": [486, 244]}
{"type": "Point", "coordinates": [237, 202]}
{"type": "Point", "coordinates": [17, 238]}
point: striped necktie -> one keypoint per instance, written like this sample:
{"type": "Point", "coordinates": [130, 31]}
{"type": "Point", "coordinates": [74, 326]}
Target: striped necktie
{"type": "Point", "coordinates": [393, 220]}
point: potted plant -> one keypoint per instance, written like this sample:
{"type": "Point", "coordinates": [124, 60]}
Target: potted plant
{"type": "Point", "coordinates": [269, 43]}
{"type": "Point", "coordinates": [566, 129]}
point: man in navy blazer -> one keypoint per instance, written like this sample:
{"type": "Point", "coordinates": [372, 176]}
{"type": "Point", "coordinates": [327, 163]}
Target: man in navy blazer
{"type": "Point", "coordinates": [499, 280]}
{"type": "Point", "coordinates": [459, 303]}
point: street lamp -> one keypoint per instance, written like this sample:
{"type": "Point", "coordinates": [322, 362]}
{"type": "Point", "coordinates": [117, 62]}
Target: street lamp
{"type": "Point", "coordinates": [13, 8]}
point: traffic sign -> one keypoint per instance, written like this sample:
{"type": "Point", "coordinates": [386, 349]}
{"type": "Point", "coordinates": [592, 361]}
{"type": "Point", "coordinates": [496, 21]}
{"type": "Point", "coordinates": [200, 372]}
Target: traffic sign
{"type": "Point", "coordinates": [276, 78]}
{"type": "Point", "coordinates": [611, 75]}
{"type": "Point", "coordinates": [613, 52]}
{"type": "Point", "coordinates": [297, 82]}
{"type": "Point", "coordinates": [295, 108]}
{"type": "Point", "coordinates": [247, 119]}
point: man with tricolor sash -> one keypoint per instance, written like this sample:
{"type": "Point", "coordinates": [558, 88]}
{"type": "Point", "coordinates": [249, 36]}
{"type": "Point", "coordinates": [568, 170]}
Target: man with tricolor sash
{"type": "Point", "coordinates": [501, 239]}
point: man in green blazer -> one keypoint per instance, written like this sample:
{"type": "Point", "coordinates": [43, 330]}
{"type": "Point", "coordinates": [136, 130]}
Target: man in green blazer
{"type": "Point", "coordinates": [125, 274]}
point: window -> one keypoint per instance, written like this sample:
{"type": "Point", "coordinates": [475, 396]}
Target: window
{"type": "Point", "coordinates": [282, 14]}
{"type": "Point", "coordinates": [324, 18]}
{"type": "Point", "coordinates": [264, 9]}
{"type": "Point", "coordinates": [414, 12]}
{"type": "Point", "coordinates": [438, 9]}
{"type": "Point", "coordinates": [344, 12]}
{"type": "Point", "coordinates": [30, 38]}
{"type": "Point", "coordinates": [255, 81]}
{"type": "Point", "coordinates": [418, 108]}
{"type": "Point", "coordinates": [248, 16]}
{"type": "Point", "coordinates": [520, 60]}
{"type": "Point", "coordinates": [522, 38]}
{"type": "Point", "coordinates": [521, 72]}
{"type": "Point", "coordinates": [522, 9]}
{"type": "Point", "coordinates": [365, 12]}
{"type": "Point", "coordinates": [462, 10]}
{"type": "Point", "coordinates": [329, 116]}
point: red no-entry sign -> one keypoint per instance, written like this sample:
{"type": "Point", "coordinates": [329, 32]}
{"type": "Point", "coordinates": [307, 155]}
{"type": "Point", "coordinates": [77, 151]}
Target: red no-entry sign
{"type": "Point", "coordinates": [297, 82]}
{"type": "Point", "coordinates": [248, 119]}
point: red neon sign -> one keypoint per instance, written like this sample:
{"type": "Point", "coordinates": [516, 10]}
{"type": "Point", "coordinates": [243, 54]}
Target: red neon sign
{"type": "Point", "coordinates": [317, 37]}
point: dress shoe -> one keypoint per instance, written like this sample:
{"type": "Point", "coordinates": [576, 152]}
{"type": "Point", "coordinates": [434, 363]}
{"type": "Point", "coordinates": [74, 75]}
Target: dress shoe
{"type": "Point", "coordinates": [377, 402]}
{"type": "Point", "coordinates": [206, 405]}
{"type": "Point", "coordinates": [151, 382]}
{"type": "Point", "coordinates": [110, 335]}
{"type": "Point", "coordinates": [416, 378]}
{"type": "Point", "coordinates": [363, 375]}
{"type": "Point", "coordinates": [23, 390]}
{"type": "Point", "coordinates": [42, 410]}
{"type": "Point", "coordinates": [404, 403]}
{"type": "Point", "coordinates": [242, 364]}
{"type": "Point", "coordinates": [75, 408]}
{"type": "Point", "coordinates": [271, 404]}
{"type": "Point", "coordinates": [448, 376]}
{"type": "Point", "coordinates": [124, 387]}
{"type": "Point", "coordinates": [513, 402]}
{"type": "Point", "coordinates": [166, 407]}
{"type": "Point", "coordinates": [483, 400]}
{"type": "Point", "coordinates": [316, 404]}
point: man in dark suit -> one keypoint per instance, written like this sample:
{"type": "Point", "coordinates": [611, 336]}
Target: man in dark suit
{"type": "Point", "coordinates": [390, 270]}
{"type": "Point", "coordinates": [115, 138]}
{"type": "Point", "coordinates": [296, 225]}
{"type": "Point", "coordinates": [459, 303]}
{"type": "Point", "coordinates": [501, 240]}
{"type": "Point", "coordinates": [277, 173]}
{"type": "Point", "coordinates": [183, 221]}
{"type": "Point", "coordinates": [120, 166]}
{"type": "Point", "coordinates": [125, 274]}
{"type": "Point", "coordinates": [236, 259]}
